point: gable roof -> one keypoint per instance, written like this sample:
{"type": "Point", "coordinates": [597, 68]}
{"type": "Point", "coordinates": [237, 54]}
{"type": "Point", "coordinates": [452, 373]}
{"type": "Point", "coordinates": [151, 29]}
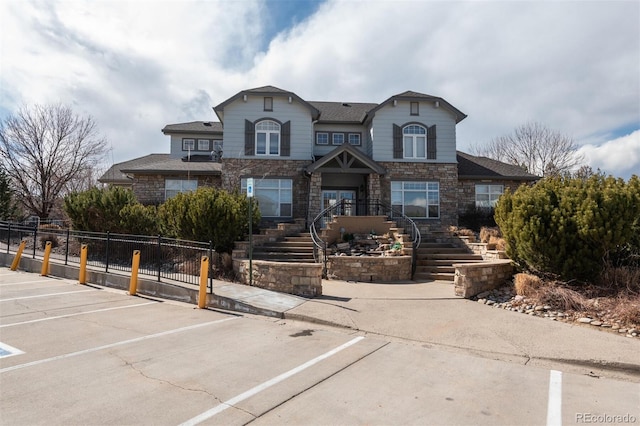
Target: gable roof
{"type": "Point", "coordinates": [265, 91]}
{"type": "Point", "coordinates": [342, 112]}
{"type": "Point", "coordinates": [346, 158]}
{"type": "Point", "coordinates": [413, 96]}
{"type": "Point", "coordinates": [201, 127]}
{"type": "Point", "coordinates": [472, 167]}
{"type": "Point", "coordinates": [115, 175]}
{"type": "Point", "coordinates": [177, 166]}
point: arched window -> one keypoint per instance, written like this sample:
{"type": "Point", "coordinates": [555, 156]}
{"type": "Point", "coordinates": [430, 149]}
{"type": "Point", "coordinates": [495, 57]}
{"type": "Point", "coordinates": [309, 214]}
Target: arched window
{"type": "Point", "coordinates": [267, 138]}
{"type": "Point", "coordinates": [414, 139]}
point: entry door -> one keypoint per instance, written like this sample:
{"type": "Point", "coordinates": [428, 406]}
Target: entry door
{"type": "Point", "coordinates": [331, 197]}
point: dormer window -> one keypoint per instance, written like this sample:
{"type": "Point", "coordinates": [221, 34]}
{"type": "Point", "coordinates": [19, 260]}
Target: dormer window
{"type": "Point", "coordinates": [188, 144]}
{"type": "Point", "coordinates": [415, 108]}
{"type": "Point", "coordinates": [268, 104]}
{"type": "Point", "coordinates": [203, 144]}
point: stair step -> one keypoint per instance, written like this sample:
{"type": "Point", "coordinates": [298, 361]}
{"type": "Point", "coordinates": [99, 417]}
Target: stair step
{"type": "Point", "coordinates": [454, 257]}
{"type": "Point", "coordinates": [432, 276]}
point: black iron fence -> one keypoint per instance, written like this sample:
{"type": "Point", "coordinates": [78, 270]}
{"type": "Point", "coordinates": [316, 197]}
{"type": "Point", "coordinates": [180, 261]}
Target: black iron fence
{"type": "Point", "coordinates": [160, 257]}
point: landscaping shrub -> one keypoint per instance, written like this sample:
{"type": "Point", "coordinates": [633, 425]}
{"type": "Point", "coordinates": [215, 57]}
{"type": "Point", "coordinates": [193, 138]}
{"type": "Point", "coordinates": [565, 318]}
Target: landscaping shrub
{"type": "Point", "coordinates": [208, 214]}
{"type": "Point", "coordinates": [569, 227]}
{"type": "Point", "coordinates": [49, 237]}
{"type": "Point", "coordinates": [487, 232]}
{"type": "Point", "coordinates": [98, 210]}
{"type": "Point", "coordinates": [526, 284]}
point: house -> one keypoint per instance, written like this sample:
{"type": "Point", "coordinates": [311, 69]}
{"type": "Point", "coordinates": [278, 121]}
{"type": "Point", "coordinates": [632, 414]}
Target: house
{"type": "Point", "coordinates": [305, 156]}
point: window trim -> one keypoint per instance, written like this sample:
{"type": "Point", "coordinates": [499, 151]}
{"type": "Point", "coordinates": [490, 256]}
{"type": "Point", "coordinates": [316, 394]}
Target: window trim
{"type": "Point", "coordinates": [184, 144]}
{"type": "Point", "coordinates": [181, 190]}
{"type": "Point", "coordinates": [333, 138]}
{"type": "Point", "coordinates": [267, 133]}
{"type": "Point", "coordinates": [322, 133]}
{"type": "Point", "coordinates": [358, 134]}
{"type": "Point", "coordinates": [417, 108]}
{"type": "Point", "coordinates": [208, 147]}
{"type": "Point", "coordinates": [426, 192]}
{"type": "Point", "coordinates": [414, 137]}
{"type": "Point", "coordinates": [268, 103]}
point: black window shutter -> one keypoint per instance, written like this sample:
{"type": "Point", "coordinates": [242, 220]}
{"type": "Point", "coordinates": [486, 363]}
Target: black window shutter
{"type": "Point", "coordinates": [431, 143]}
{"type": "Point", "coordinates": [285, 142]}
{"type": "Point", "coordinates": [249, 138]}
{"type": "Point", "coordinates": [397, 141]}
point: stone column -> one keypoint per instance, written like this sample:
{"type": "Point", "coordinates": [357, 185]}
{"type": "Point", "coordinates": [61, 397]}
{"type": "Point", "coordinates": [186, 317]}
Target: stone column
{"type": "Point", "coordinates": [315, 196]}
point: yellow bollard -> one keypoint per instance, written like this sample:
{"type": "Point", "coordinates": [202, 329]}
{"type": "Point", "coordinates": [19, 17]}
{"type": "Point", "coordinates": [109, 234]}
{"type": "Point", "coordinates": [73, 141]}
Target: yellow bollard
{"type": "Point", "coordinates": [133, 283]}
{"type": "Point", "coordinates": [45, 261]}
{"type": "Point", "coordinates": [82, 279]}
{"type": "Point", "coordinates": [204, 275]}
{"type": "Point", "coordinates": [16, 260]}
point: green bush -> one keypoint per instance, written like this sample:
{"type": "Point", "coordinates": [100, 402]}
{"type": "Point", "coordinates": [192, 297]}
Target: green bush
{"type": "Point", "coordinates": [570, 227]}
{"type": "Point", "coordinates": [208, 214]}
{"type": "Point", "coordinates": [475, 218]}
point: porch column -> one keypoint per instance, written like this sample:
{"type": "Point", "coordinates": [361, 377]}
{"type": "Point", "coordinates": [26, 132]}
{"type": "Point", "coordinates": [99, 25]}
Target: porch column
{"type": "Point", "coordinates": [315, 194]}
{"type": "Point", "coordinates": [373, 187]}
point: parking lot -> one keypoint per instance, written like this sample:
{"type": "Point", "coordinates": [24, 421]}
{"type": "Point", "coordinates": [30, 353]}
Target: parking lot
{"type": "Point", "coordinates": [77, 354]}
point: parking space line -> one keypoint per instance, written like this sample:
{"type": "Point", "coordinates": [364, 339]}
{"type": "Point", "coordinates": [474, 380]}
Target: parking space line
{"type": "Point", "coordinates": [113, 345]}
{"type": "Point", "coordinates": [43, 295]}
{"type": "Point", "coordinates": [554, 406]}
{"type": "Point", "coordinates": [257, 389]}
{"type": "Point", "coordinates": [76, 314]}
{"type": "Point", "coordinates": [28, 282]}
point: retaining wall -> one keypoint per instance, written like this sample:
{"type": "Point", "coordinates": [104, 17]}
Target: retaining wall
{"type": "Point", "coordinates": [300, 279]}
{"type": "Point", "coordinates": [370, 268]}
{"type": "Point", "coordinates": [474, 278]}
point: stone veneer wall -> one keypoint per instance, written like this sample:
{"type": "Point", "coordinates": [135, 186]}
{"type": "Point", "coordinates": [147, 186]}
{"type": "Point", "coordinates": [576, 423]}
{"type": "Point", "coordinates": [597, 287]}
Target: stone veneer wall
{"type": "Point", "coordinates": [234, 169]}
{"type": "Point", "coordinates": [149, 189]}
{"type": "Point", "coordinates": [370, 268]}
{"type": "Point", "coordinates": [474, 278]}
{"type": "Point", "coordinates": [444, 173]}
{"type": "Point", "coordinates": [300, 279]}
{"type": "Point", "coordinates": [467, 190]}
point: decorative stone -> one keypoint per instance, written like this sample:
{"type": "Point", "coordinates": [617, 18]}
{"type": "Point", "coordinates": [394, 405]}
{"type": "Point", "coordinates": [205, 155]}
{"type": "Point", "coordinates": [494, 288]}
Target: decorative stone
{"type": "Point", "coordinates": [584, 320]}
{"type": "Point", "coordinates": [596, 323]}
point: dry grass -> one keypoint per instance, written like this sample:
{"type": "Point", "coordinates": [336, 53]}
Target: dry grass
{"type": "Point", "coordinates": [486, 234]}
{"type": "Point", "coordinates": [462, 232]}
{"type": "Point", "coordinates": [563, 298]}
{"type": "Point", "coordinates": [527, 285]}
{"type": "Point", "coordinates": [499, 243]}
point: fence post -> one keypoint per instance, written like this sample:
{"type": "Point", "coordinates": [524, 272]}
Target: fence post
{"type": "Point", "coordinates": [35, 239]}
{"type": "Point", "coordinates": [210, 285]}
{"type": "Point", "coordinates": [9, 238]}
{"type": "Point", "coordinates": [82, 278]}
{"type": "Point", "coordinates": [16, 260]}
{"type": "Point", "coordinates": [106, 268]}
{"type": "Point", "coordinates": [133, 283]}
{"type": "Point", "coordinates": [45, 261]}
{"type": "Point", "coordinates": [159, 256]}
{"type": "Point", "coordinates": [66, 251]}
{"type": "Point", "coordinates": [204, 273]}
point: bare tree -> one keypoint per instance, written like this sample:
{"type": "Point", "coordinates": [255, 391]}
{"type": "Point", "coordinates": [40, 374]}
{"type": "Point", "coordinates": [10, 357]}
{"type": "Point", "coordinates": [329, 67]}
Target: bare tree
{"type": "Point", "coordinates": [535, 148]}
{"type": "Point", "coordinates": [44, 149]}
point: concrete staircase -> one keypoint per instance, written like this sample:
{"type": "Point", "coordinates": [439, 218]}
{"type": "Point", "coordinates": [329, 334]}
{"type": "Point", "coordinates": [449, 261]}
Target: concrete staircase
{"type": "Point", "coordinates": [434, 260]}
{"type": "Point", "coordinates": [293, 248]}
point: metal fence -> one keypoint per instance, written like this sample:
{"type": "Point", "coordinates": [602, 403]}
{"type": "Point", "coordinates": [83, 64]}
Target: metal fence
{"type": "Point", "coordinates": [168, 258]}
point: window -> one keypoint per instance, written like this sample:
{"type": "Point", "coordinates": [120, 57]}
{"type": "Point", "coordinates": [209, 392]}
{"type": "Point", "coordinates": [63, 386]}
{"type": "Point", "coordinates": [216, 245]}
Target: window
{"type": "Point", "coordinates": [487, 195]}
{"type": "Point", "coordinates": [188, 144]}
{"type": "Point", "coordinates": [354, 138]}
{"type": "Point", "coordinates": [322, 138]}
{"type": "Point", "coordinates": [337, 138]}
{"type": "Point", "coordinates": [414, 139]}
{"type": "Point", "coordinates": [173, 187]}
{"type": "Point", "coordinates": [416, 199]}
{"type": "Point", "coordinates": [203, 144]}
{"type": "Point", "coordinates": [415, 108]}
{"type": "Point", "coordinates": [267, 138]}
{"type": "Point", "coordinates": [274, 196]}
{"type": "Point", "coordinates": [268, 104]}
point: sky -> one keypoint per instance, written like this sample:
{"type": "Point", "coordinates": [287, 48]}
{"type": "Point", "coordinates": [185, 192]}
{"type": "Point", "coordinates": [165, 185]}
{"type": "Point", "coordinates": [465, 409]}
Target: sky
{"type": "Point", "coordinates": [138, 65]}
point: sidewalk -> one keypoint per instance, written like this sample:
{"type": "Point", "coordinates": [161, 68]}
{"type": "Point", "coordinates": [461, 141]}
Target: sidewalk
{"type": "Point", "coordinates": [429, 314]}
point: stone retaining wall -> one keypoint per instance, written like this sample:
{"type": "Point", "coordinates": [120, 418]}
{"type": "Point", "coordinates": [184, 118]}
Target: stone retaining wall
{"type": "Point", "coordinates": [300, 279]}
{"type": "Point", "coordinates": [474, 278]}
{"type": "Point", "coordinates": [370, 268]}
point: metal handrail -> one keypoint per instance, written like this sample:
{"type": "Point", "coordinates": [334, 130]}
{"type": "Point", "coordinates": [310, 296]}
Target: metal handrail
{"type": "Point", "coordinates": [375, 208]}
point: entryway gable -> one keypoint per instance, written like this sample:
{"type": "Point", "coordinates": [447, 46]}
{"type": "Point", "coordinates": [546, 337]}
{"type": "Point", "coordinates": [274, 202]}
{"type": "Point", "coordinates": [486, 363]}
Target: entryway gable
{"type": "Point", "coordinates": [346, 159]}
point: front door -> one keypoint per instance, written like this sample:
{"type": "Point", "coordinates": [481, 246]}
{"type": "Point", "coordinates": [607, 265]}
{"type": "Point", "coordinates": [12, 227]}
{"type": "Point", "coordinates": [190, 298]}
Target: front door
{"type": "Point", "coordinates": [333, 196]}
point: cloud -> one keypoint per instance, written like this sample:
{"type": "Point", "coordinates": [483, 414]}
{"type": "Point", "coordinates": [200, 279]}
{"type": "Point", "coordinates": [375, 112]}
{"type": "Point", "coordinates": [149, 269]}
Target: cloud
{"type": "Point", "coordinates": [139, 65]}
{"type": "Point", "coordinates": [617, 157]}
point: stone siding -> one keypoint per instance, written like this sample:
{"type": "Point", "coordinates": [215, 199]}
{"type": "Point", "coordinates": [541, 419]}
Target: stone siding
{"type": "Point", "coordinates": [444, 173]}
{"type": "Point", "coordinates": [300, 279]}
{"type": "Point", "coordinates": [370, 269]}
{"type": "Point", "coordinates": [149, 189]}
{"type": "Point", "coordinates": [474, 278]}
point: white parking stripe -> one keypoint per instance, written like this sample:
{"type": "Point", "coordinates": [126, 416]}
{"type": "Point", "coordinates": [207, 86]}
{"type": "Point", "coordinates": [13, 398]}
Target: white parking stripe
{"type": "Point", "coordinates": [113, 345]}
{"type": "Point", "coordinates": [28, 282]}
{"type": "Point", "coordinates": [43, 295]}
{"type": "Point", "coordinates": [554, 406]}
{"type": "Point", "coordinates": [76, 314]}
{"type": "Point", "coordinates": [257, 389]}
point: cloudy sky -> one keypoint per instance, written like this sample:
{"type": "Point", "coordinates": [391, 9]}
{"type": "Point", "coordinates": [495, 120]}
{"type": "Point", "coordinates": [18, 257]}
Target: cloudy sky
{"type": "Point", "coordinates": [136, 66]}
